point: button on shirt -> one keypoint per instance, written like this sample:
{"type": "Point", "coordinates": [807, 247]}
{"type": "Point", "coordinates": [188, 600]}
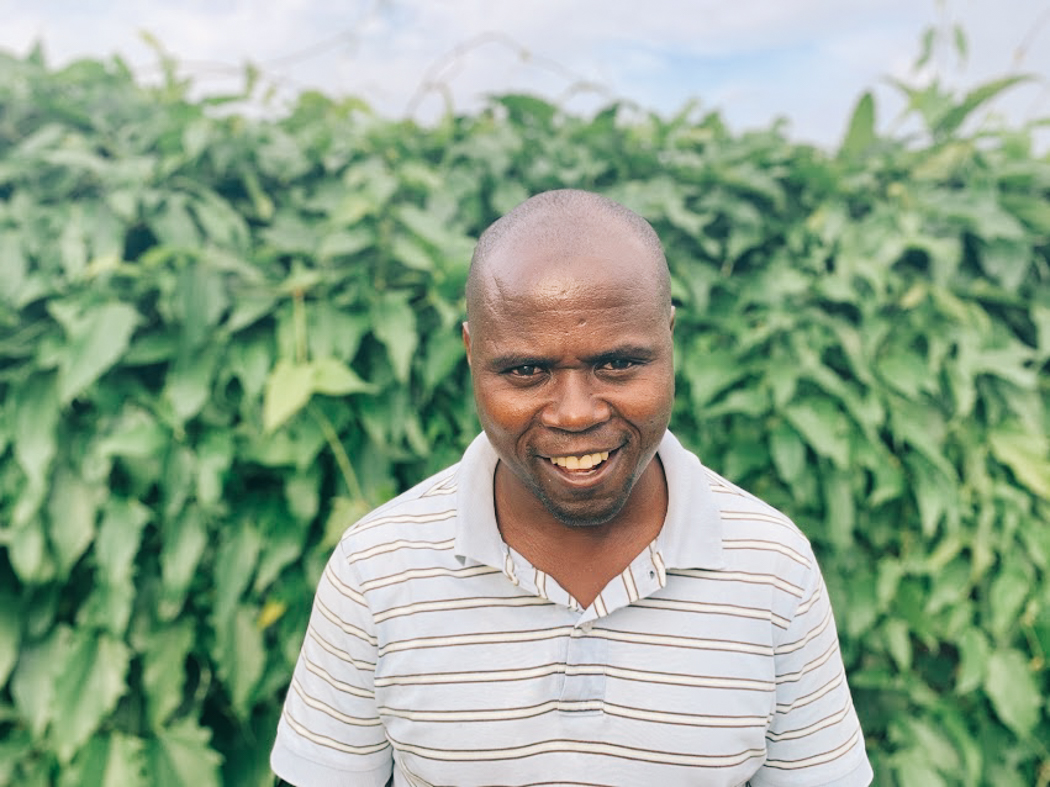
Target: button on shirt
{"type": "Point", "coordinates": [438, 653]}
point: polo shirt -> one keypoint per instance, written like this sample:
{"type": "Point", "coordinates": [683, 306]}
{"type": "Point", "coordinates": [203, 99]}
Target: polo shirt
{"type": "Point", "coordinates": [438, 652]}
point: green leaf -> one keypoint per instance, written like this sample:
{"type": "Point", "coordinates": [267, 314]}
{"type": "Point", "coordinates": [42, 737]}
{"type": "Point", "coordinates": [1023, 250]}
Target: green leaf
{"type": "Point", "coordinates": [788, 452]}
{"type": "Point", "coordinates": [35, 416]}
{"type": "Point", "coordinates": [1007, 595]}
{"type": "Point", "coordinates": [179, 756]}
{"type": "Point", "coordinates": [97, 338]}
{"type": "Point", "coordinates": [124, 765]}
{"type": "Point", "coordinates": [953, 118]}
{"type": "Point", "coordinates": [1013, 690]}
{"type": "Point", "coordinates": [27, 551]}
{"type": "Point", "coordinates": [87, 689]}
{"type": "Point", "coordinates": [710, 372]}
{"type": "Point", "coordinates": [119, 538]}
{"type": "Point", "coordinates": [395, 326]}
{"type": "Point", "coordinates": [72, 511]}
{"type": "Point", "coordinates": [200, 300]}
{"type": "Point", "coordinates": [1026, 453]}
{"type": "Point", "coordinates": [898, 643]}
{"type": "Point", "coordinates": [188, 384]}
{"type": "Point", "coordinates": [10, 634]}
{"type": "Point", "coordinates": [164, 669]}
{"type": "Point", "coordinates": [33, 683]}
{"type": "Point", "coordinates": [214, 456]}
{"type": "Point", "coordinates": [335, 378]}
{"type": "Point", "coordinates": [824, 427]}
{"type": "Point", "coordinates": [974, 652]}
{"type": "Point", "coordinates": [839, 509]}
{"type": "Point", "coordinates": [861, 132]}
{"type": "Point", "coordinates": [184, 541]}
{"type": "Point", "coordinates": [444, 351]}
{"type": "Point", "coordinates": [288, 389]}
{"type": "Point", "coordinates": [240, 655]}
{"type": "Point", "coordinates": [302, 493]}
{"type": "Point", "coordinates": [237, 555]}
{"type": "Point", "coordinates": [411, 254]}
{"type": "Point", "coordinates": [13, 266]}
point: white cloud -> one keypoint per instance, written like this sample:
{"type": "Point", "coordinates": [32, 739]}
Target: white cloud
{"type": "Point", "coordinates": [806, 59]}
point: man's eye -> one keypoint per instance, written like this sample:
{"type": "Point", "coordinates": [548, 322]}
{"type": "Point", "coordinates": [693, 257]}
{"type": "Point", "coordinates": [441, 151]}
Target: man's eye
{"type": "Point", "coordinates": [618, 364]}
{"type": "Point", "coordinates": [526, 370]}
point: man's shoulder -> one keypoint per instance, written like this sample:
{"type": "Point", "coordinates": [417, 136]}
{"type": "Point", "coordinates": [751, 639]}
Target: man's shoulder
{"type": "Point", "coordinates": [423, 513]}
{"type": "Point", "coordinates": [748, 518]}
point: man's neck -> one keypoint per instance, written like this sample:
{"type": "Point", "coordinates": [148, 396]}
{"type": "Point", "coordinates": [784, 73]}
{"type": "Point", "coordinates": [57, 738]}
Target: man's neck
{"type": "Point", "coordinates": [581, 558]}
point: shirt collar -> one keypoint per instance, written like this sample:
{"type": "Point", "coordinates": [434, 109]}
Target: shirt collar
{"type": "Point", "coordinates": [690, 538]}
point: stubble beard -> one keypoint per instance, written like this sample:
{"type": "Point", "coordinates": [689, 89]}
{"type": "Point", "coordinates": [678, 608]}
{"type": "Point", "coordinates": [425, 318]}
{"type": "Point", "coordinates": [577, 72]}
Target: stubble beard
{"type": "Point", "coordinates": [576, 519]}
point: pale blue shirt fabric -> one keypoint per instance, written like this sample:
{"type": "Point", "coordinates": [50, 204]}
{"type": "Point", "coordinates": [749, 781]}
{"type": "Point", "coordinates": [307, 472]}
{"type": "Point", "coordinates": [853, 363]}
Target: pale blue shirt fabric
{"type": "Point", "coordinates": [436, 650]}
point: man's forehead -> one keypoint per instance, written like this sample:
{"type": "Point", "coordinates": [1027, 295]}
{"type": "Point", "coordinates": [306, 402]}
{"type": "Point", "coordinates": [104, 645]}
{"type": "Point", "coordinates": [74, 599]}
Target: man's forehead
{"type": "Point", "coordinates": [550, 261]}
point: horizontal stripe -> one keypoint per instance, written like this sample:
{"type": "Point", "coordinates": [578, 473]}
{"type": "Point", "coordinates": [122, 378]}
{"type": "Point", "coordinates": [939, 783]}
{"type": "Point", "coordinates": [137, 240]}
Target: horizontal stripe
{"type": "Point", "coordinates": [352, 594]}
{"type": "Point", "coordinates": [729, 515]}
{"type": "Point", "coordinates": [335, 683]}
{"type": "Point", "coordinates": [394, 546]}
{"type": "Point", "coordinates": [580, 747]}
{"type": "Point", "coordinates": [808, 699]}
{"type": "Point", "coordinates": [426, 573]}
{"type": "Point", "coordinates": [812, 634]}
{"type": "Point", "coordinates": [331, 712]}
{"type": "Point", "coordinates": [766, 546]}
{"type": "Point", "coordinates": [487, 638]}
{"type": "Point", "coordinates": [739, 576]}
{"type": "Point", "coordinates": [405, 519]}
{"type": "Point", "coordinates": [446, 486]}
{"type": "Point", "coordinates": [612, 709]}
{"type": "Point", "coordinates": [818, 759]}
{"type": "Point", "coordinates": [347, 628]}
{"type": "Point", "coordinates": [339, 653]}
{"type": "Point", "coordinates": [540, 635]}
{"type": "Point", "coordinates": [676, 641]}
{"type": "Point", "coordinates": [817, 663]}
{"type": "Point", "coordinates": [730, 610]}
{"type": "Point", "coordinates": [817, 726]}
{"type": "Point", "coordinates": [545, 670]}
{"type": "Point", "coordinates": [331, 743]}
{"type": "Point", "coordinates": [458, 605]}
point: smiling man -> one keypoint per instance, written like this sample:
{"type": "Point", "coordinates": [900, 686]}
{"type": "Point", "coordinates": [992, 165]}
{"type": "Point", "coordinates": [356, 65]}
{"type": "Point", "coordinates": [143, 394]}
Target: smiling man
{"type": "Point", "coordinates": [579, 600]}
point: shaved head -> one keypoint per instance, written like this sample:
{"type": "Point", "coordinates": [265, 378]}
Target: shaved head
{"type": "Point", "coordinates": [567, 223]}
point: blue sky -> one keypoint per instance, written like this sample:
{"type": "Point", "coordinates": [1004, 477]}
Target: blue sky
{"type": "Point", "coordinates": [754, 60]}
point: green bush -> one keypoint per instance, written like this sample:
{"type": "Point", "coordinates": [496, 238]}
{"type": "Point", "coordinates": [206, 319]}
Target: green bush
{"type": "Point", "coordinates": [222, 339]}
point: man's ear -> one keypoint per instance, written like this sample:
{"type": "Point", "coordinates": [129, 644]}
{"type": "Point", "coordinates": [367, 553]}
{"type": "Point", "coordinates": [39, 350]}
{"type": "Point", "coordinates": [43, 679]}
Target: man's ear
{"type": "Point", "coordinates": [466, 339]}
{"type": "Point", "coordinates": [672, 320]}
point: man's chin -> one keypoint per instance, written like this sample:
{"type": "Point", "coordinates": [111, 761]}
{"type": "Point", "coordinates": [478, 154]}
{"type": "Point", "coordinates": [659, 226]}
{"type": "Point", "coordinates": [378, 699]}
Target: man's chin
{"type": "Point", "coordinates": [585, 515]}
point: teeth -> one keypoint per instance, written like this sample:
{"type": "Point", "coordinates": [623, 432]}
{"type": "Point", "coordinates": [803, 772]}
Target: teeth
{"type": "Point", "coordinates": [585, 462]}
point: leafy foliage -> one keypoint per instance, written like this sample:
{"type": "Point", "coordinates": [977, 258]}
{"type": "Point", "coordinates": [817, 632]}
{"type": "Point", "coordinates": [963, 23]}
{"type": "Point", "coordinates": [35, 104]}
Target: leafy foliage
{"type": "Point", "coordinates": [223, 339]}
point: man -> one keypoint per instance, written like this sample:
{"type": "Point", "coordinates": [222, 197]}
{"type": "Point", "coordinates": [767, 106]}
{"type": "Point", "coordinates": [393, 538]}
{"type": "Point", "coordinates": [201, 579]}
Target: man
{"type": "Point", "coordinates": [578, 601]}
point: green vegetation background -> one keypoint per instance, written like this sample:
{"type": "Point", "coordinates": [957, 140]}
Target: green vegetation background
{"type": "Point", "coordinates": [223, 339]}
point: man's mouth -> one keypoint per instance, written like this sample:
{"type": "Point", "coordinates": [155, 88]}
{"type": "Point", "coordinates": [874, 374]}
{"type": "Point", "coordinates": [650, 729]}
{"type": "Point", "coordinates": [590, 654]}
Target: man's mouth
{"type": "Point", "coordinates": [583, 462]}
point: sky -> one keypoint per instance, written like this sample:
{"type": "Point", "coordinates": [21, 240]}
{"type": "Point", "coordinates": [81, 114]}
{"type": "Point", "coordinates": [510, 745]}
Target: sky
{"type": "Point", "coordinates": [753, 60]}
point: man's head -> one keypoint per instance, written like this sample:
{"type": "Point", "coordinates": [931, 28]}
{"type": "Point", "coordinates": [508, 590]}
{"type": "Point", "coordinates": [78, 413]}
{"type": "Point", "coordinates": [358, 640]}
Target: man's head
{"type": "Point", "coordinates": [569, 341]}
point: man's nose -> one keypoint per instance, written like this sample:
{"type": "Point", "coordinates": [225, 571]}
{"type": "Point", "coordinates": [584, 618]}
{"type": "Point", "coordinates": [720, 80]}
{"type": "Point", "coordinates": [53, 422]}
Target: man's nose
{"type": "Point", "coordinates": [576, 404]}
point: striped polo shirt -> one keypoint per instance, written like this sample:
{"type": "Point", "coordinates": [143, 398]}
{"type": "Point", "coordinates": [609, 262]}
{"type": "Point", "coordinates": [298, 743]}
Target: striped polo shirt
{"type": "Point", "coordinates": [437, 653]}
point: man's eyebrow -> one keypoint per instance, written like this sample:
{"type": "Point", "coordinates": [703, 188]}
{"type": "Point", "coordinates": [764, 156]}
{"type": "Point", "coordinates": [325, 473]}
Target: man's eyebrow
{"type": "Point", "coordinates": [514, 360]}
{"type": "Point", "coordinates": [636, 352]}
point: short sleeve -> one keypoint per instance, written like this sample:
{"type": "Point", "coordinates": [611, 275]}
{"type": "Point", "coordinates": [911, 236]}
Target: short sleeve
{"type": "Point", "coordinates": [815, 737]}
{"type": "Point", "coordinates": [330, 732]}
